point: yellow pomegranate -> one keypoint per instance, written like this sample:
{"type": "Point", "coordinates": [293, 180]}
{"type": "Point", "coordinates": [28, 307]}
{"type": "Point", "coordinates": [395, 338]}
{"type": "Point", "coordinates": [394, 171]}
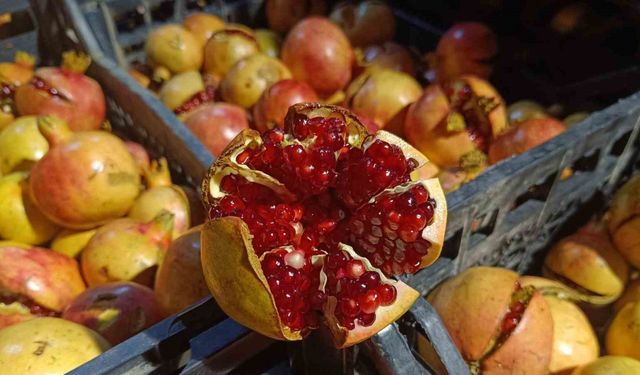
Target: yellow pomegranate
{"type": "Point", "coordinates": [21, 145]}
{"type": "Point", "coordinates": [202, 26]}
{"type": "Point", "coordinates": [631, 295]}
{"type": "Point", "coordinates": [47, 346]}
{"type": "Point", "coordinates": [181, 88]}
{"type": "Point", "coordinates": [610, 365]}
{"type": "Point", "coordinates": [623, 335]}
{"type": "Point", "coordinates": [173, 47]}
{"type": "Point", "coordinates": [225, 48]}
{"type": "Point", "coordinates": [70, 242]}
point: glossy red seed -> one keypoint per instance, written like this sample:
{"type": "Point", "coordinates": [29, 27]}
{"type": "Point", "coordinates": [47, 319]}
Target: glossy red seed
{"type": "Point", "coordinates": [335, 260]}
{"type": "Point", "coordinates": [366, 320]}
{"type": "Point", "coordinates": [369, 302]}
{"type": "Point", "coordinates": [387, 294]}
{"type": "Point", "coordinates": [318, 299]}
{"type": "Point", "coordinates": [354, 268]}
{"type": "Point", "coordinates": [371, 279]}
{"type": "Point", "coordinates": [349, 307]}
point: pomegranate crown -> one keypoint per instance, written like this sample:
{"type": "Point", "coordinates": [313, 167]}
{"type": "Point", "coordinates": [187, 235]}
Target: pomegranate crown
{"type": "Point", "coordinates": [76, 62]}
{"type": "Point", "coordinates": [25, 59]}
{"type": "Point", "coordinates": [157, 174]}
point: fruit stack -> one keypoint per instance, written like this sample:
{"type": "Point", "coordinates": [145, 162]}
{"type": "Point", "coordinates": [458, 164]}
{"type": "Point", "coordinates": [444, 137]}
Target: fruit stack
{"type": "Point", "coordinates": [222, 78]}
{"type": "Point", "coordinates": [87, 224]}
{"type": "Point", "coordinates": [587, 304]}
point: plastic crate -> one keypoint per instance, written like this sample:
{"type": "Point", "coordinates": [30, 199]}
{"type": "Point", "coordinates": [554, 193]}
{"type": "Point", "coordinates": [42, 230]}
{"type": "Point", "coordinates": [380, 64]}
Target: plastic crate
{"type": "Point", "coordinates": [504, 217]}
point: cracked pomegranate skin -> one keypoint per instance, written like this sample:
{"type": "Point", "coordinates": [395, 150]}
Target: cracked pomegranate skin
{"type": "Point", "coordinates": [313, 236]}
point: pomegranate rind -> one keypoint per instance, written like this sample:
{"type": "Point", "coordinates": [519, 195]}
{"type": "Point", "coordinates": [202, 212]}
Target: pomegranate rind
{"type": "Point", "coordinates": [385, 315]}
{"type": "Point", "coordinates": [234, 276]}
{"type": "Point", "coordinates": [625, 204]}
{"type": "Point", "coordinates": [434, 232]}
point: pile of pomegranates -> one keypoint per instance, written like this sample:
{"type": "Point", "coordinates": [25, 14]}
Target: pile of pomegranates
{"type": "Point", "coordinates": [86, 221]}
{"type": "Point", "coordinates": [586, 305]}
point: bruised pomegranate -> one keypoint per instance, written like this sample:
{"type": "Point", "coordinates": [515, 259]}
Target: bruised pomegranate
{"type": "Point", "coordinates": [116, 311]}
{"type": "Point", "coordinates": [127, 250]}
{"type": "Point", "coordinates": [271, 108]}
{"type": "Point", "coordinates": [202, 26]}
{"type": "Point", "coordinates": [216, 124]}
{"type": "Point", "coordinates": [319, 53]}
{"type": "Point", "coordinates": [456, 121]}
{"type": "Point", "coordinates": [86, 179]}
{"type": "Point", "coordinates": [369, 22]}
{"type": "Point", "coordinates": [39, 280]}
{"type": "Point", "coordinates": [225, 48]}
{"type": "Point", "coordinates": [66, 93]}
{"type": "Point", "coordinates": [174, 48]}
{"type": "Point", "coordinates": [282, 15]}
{"type": "Point", "coordinates": [162, 194]}
{"type": "Point", "coordinates": [313, 220]}
{"type": "Point", "coordinates": [499, 325]}
{"type": "Point", "coordinates": [382, 95]}
{"type": "Point", "coordinates": [247, 80]}
{"type": "Point", "coordinates": [180, 281]}
{"type": "Point", "coordinates": [466, 48]}
{"type": "Point", "coordinates": [21, 145]}
{"type": "Point", "coordinates": [390, 55]}
{"type": "Point", "coordinates": [523, 137]}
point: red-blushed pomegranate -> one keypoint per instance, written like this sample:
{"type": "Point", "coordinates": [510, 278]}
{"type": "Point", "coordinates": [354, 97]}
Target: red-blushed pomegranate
{"type": "Point", "coordinates": [66, 93]}
{"type": "Point", "coordinates": [180, 281]}
{"type": "Point", "coordinates": [454, 123]}
{"type": "Point", "coordinates": [140, 155]}
{"type": "Point", "coordinates": [523, 137]}
{"type": "Point", "coordinates": [499, 325]}
{"type": "Point", "coordinates": [282, 15]}
{"type": "Point", "coordinates": [390, 55]}
{"type": "Point", "coordinates": [317, 52]}
{"type": "Point", "coordinates": [116, 311]}
{"type": "Point", "coordinates": [311, 219]}
{"type": "Point", "coordinates": [226, 47]}
{"type": "Point", "coordinates": [40, 280]}
{"type": "Point", "coordinates": [369, 22]}
{"type": "Point", "coordinates": [466, 48]}
{"type": "Point", "coordinates": [202, 26]}
{"type": "Point", "coordinates": [162, 194]}
{"type": "Point", "coordinates": [272, 107]}
{"type": "Point", "coordinates": [127, 250]}
{"type": "Point", "coordinates": [174, 48]}
{"type": "Point", "coordinates": [382, 95]}
{"type": "Point", "coordinates": [216, 124]}
{"type": "Point", "coordinates": [86, 179]}
{"type": "Point", "coordinates": [249, 78]}
{"type": "Point", "coordinates": [368, 123]}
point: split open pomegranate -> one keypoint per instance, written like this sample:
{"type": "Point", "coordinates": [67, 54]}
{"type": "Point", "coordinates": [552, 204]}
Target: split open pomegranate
{"type": "Point", "coordinates": [309, 223]}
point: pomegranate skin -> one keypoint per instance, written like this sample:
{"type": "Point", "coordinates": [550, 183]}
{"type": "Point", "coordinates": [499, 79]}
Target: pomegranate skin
{"type": "Point", "coordinates": [282, 15]}
{"type": "Point", "coordinates": [369, 22]}
{"type": "Point", "coordinates": [227, 47]}
{"type": "Point", "coordinates": [174, 48]}
{"type": "Point", "coordinates": [464, 49]}
{"type": "Point", "coordinates": [83, 106]}
{"type": "Point", "coordinates": [523, 137]}
{"type": "Point", "coordinates": [271, 108]}
{"type": "Point", "coordinates": [202, 26]}
{"type": "Point", "coordinates": [13, 313]}
{"type": "Point", "coordinates": [610, 365]}
{"type": "Point", "coordinates": [86, 179]}
{"type": "Point", "coordinates": [116, 311]}
{"type": "Point", "coordinates": [317, 52]}
{"type": "Point", "coordinates": [392, 56]}
{"type": "Point", "coordinates": [216, 124]}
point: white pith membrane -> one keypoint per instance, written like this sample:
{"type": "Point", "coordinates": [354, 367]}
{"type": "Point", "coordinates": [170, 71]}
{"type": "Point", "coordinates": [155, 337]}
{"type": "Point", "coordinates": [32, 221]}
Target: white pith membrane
{"type": "Point", "coordinates": [227, 165]}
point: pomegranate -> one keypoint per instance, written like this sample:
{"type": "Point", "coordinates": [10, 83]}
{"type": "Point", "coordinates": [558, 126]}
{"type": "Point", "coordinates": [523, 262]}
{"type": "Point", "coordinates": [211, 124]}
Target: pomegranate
{"type": "Point", "coordinates": [625, 204]}
{"type": "Point", "coordinates": [466, 48]}
{"type": "Point", "coordinates": [499, 325]}
{"type": "Point", "coordinates": [282, 15]}
{"type": "Point", "coordinates": [13, 313]}
{"type": "Point", "coordinates": [631, 295]}
{"type": "Point", "coordinates": [369, 22]}
{"type": "Point", "coordinates": [20, 219]}
{"type": "Point", "coordinates": [174, 48]}
{"type": "Point", "coordinates": [390, 55]}
{"type": "Point", "coordinates": [574, 341]}
{"type": "Point", "coordinates": [116, 311]}
{"type": "Point", "coordinates": [225, 48]}
{"type": "Point", "coordinates": [216, 124]}
{"type": "Point", "coordinates": [202, 26]}
{"type": "Point", "coordinates": [368, 123]}
{"type": "Point", "coordinates": [290, 212]}
{"type": "Point", "coordinates": [162, 194]}
{"type": "Point", "coordinates": [524, 110]}
{"type": "Point", "coordinates": [382, 95]}
{"type": "Point", "coordinates": [48, 346]}
{"type": "Point", "coordinates": [66, 93]}
{"type": "Point", "coordinates": [40, 280]}
{"type": "Point", "coordinates": [71, 242]}
{"type": "Point", "coordinates": [180, 281]}
{"type": "Point", "coordinates": [626, 240]}
{"type": "Point", "coordinates": [523, 137]}
{"type": "Point", "coordinates": [588, 261]}
{"type": "Point", "coordinates": [319, 53]}
{"type": "Point", "coordinates": [271, 108]}
{"type": "Point", "coordinates": [126, 250]}
{"type": "Point", "coordinates": [623, 335]}
{"type": "Point", "coordinates": [185, 92]}
{"type": "Point", "coordinates": [86, 179]}
{"type": "Point", "coordinates": [454, 121]}
{"type": "Point", "coordinates": [21, 145]}
{"type": "Point", "coordinates": [247, 80]}
{"type": "Point", "coordinates": [269, 42]}
{"type": "Point", "coordinates": [12, 75]}
{"type": "Point", "coordinates": [610, 365]}
{"type": "Point", "coordinates": [140, 155]}
{"type": "Point", "coordinates": [575, 118]}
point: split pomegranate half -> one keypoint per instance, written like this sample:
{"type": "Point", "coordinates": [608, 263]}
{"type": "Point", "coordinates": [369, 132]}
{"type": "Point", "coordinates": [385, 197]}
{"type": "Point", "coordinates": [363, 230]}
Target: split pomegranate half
{"type": "Point", "coordinates": [307, 225]}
